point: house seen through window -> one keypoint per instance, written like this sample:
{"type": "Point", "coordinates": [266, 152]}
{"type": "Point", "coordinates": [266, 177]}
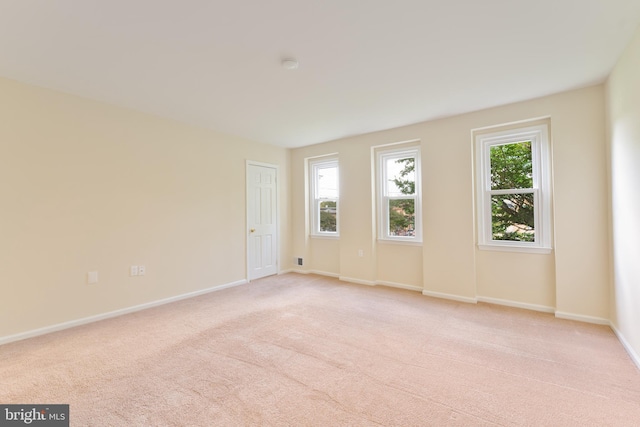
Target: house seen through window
{"type": "Point", "coordinates": [514, 189]}
{"type": "Point", "coordinates": [324, 197]}
{"type": "Point", "coordinates": [398, 195]}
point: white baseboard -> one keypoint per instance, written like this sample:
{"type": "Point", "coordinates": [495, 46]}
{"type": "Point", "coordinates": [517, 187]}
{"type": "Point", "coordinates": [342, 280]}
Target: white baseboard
{"type": "Point", "coordinates": [116, 313]}
{"type": "Point", "coordinates": [449, 296]}
{"type": "Point", "coordinates": [516, 304]}
{"type": "Point", "coordinates": [582, 318]}
{"type": "Point", "coordinates": [324, 273]}
{"type": "Point", "coordinates": [318, 272]}
{"type": "Point", "coordinates": [398, 285]}
{"type": "Point", "coordinates": [360, 281]}
{"type": "Point", "coordinates": [634, 356]}
{"type": "Point", "coordinates": [357, 281]}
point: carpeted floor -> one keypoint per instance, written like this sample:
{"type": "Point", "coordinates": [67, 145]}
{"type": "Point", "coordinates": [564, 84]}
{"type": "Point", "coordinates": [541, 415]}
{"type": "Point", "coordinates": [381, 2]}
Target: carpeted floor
{"type": "Point", "coordinates": [311, 351]}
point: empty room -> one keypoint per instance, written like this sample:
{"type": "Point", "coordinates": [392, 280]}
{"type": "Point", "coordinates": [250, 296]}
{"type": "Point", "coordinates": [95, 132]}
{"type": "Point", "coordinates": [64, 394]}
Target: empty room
{"type": "Point", "coordinates": [320, 213]}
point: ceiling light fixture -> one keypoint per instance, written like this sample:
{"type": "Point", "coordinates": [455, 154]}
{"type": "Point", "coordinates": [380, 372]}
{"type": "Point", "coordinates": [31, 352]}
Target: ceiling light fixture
{"type": "Point", "coordinates": [290, 63]}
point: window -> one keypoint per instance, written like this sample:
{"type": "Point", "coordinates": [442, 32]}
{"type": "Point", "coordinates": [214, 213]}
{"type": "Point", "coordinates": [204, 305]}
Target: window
{"type": "Point", "coordinates": [513, 193]}
{"type": "Point", "coordinates": [324, 197]}
{"type": "Point", "coordinates": [399, 195]}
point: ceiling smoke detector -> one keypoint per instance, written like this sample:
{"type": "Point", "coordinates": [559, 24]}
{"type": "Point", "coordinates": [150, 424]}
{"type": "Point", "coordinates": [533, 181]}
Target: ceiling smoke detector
{"type": "Point", "coordinates": [290, 63]}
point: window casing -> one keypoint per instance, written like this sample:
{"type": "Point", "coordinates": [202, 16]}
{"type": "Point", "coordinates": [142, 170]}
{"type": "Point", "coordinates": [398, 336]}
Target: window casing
{"type": "Point", "coordinates": [398, 194]}
{"type": "Point", "coordinates": [514, 190]}
{"type": "Point", "coordinates": [324, 200]}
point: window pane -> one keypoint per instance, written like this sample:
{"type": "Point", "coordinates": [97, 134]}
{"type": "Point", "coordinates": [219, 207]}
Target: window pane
{"type": "Point", "coordinates": [327, 182]}
{"type": "Point", "coordinates": [402, 219]}
{"type": "Point", "coordinates": [401, 176]}
{"type": "Point", "coordinates": [512, 217]}
{"type": "Point", "coordinates": [511, 166]}
{"type": "Point", "coordinates": [328, 212]}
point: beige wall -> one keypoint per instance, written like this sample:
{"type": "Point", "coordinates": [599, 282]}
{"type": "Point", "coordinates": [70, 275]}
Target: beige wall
{"type": "Point", "coordinates": [340, 257]}
{"type": "Point", "coordinates": [573, 280]}
{"type": "Point", "coordinates": [623, 101]}
{"type": "Point", "coordinates": [86, 186]}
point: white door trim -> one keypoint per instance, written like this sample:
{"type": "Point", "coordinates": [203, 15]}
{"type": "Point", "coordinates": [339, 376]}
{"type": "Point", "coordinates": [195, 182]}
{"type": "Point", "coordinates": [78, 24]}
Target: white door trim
{"type": "Point", "coordinates": [246, 224]}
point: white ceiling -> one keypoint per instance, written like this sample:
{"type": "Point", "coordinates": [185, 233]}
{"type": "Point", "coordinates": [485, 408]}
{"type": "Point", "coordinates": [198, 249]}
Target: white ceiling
{"type": "Point", "coordinates": [365, 65]}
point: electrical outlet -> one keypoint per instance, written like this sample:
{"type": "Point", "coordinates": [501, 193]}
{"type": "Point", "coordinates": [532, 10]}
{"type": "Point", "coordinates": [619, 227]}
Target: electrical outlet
{"type": "Point", "coordinates": [299, 261]}
{"type": "Point", "coordinates": [141, 270]}
{"type": "Point", "coordinates": [92, 277]}
{"type": "Point", "coordinates": [133, 270]}
{"type": "Point", "coordinates": [360, 253]}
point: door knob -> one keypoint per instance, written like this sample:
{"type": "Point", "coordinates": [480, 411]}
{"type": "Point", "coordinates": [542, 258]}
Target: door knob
{"type": "Point", "coordinates": [252, 230]}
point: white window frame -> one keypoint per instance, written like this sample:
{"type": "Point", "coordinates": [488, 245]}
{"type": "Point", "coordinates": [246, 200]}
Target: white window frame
{"type": "Point", "coordinates": [383, 198]}
{"type": "Point", "coordinates": [541, 169]}
{"type": "Point", "coordinates": [314, 206]}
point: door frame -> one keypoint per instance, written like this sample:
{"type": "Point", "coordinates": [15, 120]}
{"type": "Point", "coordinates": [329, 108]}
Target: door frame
{"type": "Point", "coordinates": [246, 217]}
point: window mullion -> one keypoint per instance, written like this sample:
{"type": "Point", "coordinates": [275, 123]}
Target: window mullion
{"type": "Point", "coordinates": [512, 191]}
{"type": "Point", "coordinates": [512, 218]}
{"type": "Point", "coordinates": [403, 197]}
{"type": "Point", "coordinates": [320, 193]}
{"type": "Point", "coordinates": [390, 225]}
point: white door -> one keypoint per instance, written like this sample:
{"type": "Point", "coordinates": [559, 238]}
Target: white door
{"type": "Point", "coordinates": [262, 232]}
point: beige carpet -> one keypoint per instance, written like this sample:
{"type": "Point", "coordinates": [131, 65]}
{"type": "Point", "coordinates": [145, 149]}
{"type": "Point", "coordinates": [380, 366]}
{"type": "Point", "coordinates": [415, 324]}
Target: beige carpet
{"type": "Point", "coordinates": [305, 350]}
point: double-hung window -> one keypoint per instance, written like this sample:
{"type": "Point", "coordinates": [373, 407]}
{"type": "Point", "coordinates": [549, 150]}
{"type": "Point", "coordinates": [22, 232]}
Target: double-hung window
{"type": "Point", "coordinates": [324, 200]}
{"type": "Point", "coordinates": [514, 190]}
{"type": "Point", "coordinates": [398, 192]}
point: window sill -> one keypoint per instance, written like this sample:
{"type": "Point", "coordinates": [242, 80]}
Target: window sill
{"type": "Point", "coordinates": [325, 236]}
{"type": "Point", "coordinates": [515, 248]}
{"type": "Point", "coordinates": [401, 242]}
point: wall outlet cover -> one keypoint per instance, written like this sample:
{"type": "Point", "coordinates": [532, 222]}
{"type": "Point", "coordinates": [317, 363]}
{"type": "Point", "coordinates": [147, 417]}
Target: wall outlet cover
{"type": "Point", "coordinates": [92, 277]}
